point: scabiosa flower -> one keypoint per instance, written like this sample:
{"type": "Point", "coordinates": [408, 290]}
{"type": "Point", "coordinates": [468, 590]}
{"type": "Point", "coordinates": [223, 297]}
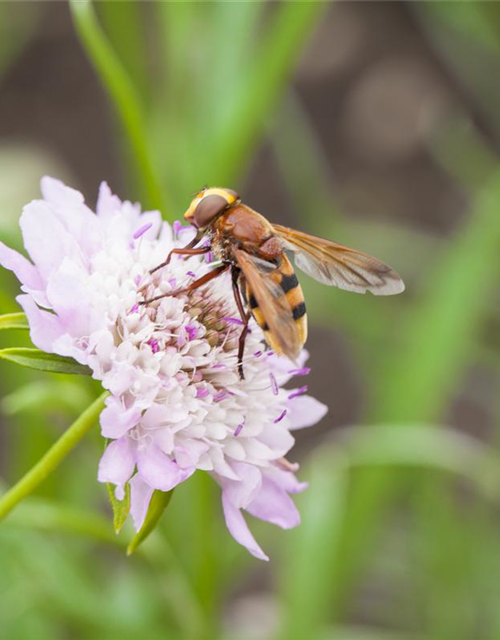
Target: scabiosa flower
{"type": "Point", "coordinates": [177, 403]}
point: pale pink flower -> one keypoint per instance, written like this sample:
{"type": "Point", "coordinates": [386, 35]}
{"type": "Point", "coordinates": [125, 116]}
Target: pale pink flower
{"type": "Point", "coordinates": [176, 402]}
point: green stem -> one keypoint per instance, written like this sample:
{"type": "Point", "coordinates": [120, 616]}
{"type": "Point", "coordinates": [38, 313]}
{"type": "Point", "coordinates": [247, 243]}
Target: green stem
{"type": "Point", "coordinates": [122, 92]}
{"type": "Point", "coordinates": [54, 456]}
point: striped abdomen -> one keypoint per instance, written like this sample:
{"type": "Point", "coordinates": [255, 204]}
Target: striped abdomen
{"type": "Point", "coordinates": [285, 277]}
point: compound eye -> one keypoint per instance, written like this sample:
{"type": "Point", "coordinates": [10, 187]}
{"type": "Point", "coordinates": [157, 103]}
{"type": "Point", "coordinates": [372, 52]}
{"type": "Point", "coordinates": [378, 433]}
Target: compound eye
{"type": "Point", "coordinates": [208, 209]}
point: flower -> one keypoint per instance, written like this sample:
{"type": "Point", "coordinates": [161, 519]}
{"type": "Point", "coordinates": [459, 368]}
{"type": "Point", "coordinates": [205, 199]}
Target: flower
{"type": "Point", "coordinates": [176, 403]}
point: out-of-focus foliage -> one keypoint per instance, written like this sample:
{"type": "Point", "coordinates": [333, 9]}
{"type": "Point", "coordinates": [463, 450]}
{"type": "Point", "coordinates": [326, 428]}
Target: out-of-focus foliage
{"type": "Point", "coordinates": [400, 539]}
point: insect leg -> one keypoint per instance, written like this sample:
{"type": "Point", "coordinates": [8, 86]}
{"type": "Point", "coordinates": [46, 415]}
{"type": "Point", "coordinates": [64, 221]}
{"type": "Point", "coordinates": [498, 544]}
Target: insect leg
{"type": "Point", "coordinates": [241, 344]}
{"type": "Point", "coordinates": [245, 316]}
{"type": "Point", "coordinates": [194, 285]}
{"type": "Point", "coordinates": [187, 250]}
{"type": "Point", "coordinates": [235, 274]}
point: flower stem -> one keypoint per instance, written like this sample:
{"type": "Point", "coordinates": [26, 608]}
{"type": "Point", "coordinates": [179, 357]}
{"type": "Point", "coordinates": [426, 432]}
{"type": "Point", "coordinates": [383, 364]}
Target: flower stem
{"type": "Point", "coordinates": [122, 92]}
{"type": "Point", "coordinates": [54, 456]}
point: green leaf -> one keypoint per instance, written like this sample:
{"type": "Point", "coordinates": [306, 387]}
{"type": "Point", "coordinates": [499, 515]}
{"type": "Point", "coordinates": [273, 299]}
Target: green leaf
{"type": "Point", "coordinates": [121, 508]}
{"type": "Point", "coordinates": [13, 321]}
{"type": "Point", "coordinates": [159, 502]}
{"type": "Point", "coordinates": [36, 359]}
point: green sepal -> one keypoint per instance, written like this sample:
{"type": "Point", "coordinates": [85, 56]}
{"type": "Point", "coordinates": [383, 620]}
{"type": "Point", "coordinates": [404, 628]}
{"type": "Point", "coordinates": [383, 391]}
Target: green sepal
{"type": "Point", "coordinates": [13, 321]}
{"type": "Point", "coordinates": [121, 508]}
{"type": "Point", "coordinates": [159, 502]}
{"type": "Point", "coordinates": [49, 362]}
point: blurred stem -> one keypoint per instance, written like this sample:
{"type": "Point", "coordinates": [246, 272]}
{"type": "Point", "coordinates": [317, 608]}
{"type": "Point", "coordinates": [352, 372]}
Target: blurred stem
{"type": "Point", "coordinates": [205, 565]}
{"type": "Point", "coordinates": [122, 93]}
{"type": "Point", "coordinates": [268, 76]}
{"type": "Point", "coordinates": [54, 456]}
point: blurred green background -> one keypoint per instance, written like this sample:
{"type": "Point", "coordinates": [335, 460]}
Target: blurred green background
{"type": "Point", "coordinates": [376, 124]}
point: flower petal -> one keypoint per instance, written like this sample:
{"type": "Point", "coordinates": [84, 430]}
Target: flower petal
{"type": "Point", "coordinates": [107, 202]}
{"type": "Point", "coordinates": [45, 327]}
{"type": "Point", "coordinates": [116, 420]}
{"type": "Point", "coordinates": [273, 504]}
{"type": "Point", "coordinates": [117, 465]}
{"type": "Point", "coordinates": [241, 492]}
{"type": "Point", "coordinates": [238, 528]}
{"type": "Point", "coordinates": [305, 411]}
{"type": "Point", "coordinates": [140, 497]}
{"type": "Point", "coordinates": [158, 470]}
{"type": "Point", "coordinates": [47, 249]}
{"type": "Point", "coordinates": [24, 271]}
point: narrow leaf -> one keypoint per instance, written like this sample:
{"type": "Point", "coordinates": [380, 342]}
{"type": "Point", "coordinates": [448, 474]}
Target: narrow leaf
{"type": "Point", "coordinates": [36, 359]}
{"type": "Point", "coordinates": [13, 321]}
{"type": "Point", "coordinates": [121, 508]}
{"type": "Point", "coordinates": [159, 502]}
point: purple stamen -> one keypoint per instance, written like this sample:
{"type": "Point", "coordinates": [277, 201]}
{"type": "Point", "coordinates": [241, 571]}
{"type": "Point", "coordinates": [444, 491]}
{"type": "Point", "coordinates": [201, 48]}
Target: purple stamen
{"type": "Point", "coordinates": [177, 226]}
{"type": "Point", "coordinates": [257, 354]}
{"type": "Point", "coordinates": [172, 282]}
{"type": "Point", "coordinates": [304, 371]}
{"type": "Point", "coordinates": [191, 274]}
{"type": "Point", "coordinates": [137, 280]}
{"type": "Point", "coordinates": [274, 384]}
{"type": "Point", "coordinates": [221, 395]}
{"type": "Point", "coordinates": [202, 392]}
{"type": "Point", "coordinates": [281, 416]}
{"type": "Point", "coordinates": [191, 331]}
{"type": "Point", "coordinates": [232, 321]}
{"type": "Point", "coordinates": [298, 392]}
{"type": "Point", "coordinates": [238, 429]}
{"type": "Point", "coordinates": [153, 343]}
{"type": "Point", "coordinates": [209, 256]}
{"type": "Point", "coordinates": [142, 230]}
{"type": "Point", "coordinates": [134, 309]}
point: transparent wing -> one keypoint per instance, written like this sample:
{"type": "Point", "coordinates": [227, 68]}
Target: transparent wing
{"type": "Point", "coordinates": [272, 302]}
{"type": "Point", "coordinates": [340, 266]}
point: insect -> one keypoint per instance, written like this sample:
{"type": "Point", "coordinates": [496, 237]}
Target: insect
{"type": "Point", "coordinates": [263, 279]}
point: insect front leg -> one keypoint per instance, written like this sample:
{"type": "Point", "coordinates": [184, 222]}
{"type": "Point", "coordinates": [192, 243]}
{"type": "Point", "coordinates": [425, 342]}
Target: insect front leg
{"type": "Point", "coordinates": [194, 285]}
{"type": "Point", "coordinates": [188, 250]}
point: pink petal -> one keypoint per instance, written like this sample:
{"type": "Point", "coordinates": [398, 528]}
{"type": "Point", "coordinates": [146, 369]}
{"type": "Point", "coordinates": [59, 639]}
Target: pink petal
{"type": "Point", "coordinates": [241, 492]}
{"type": "Point", "coordinates": [25, 272]}
{"type": "Point", "coordinates": [117, 465]}
{"type": "Point", "coordinates": [116, 420]}
{"type": "Point", "coordinates": [68, 294]}
{"type": "Point", "coordinates": [45, 238]}
{"type": "Point", "coordinates": [45, 327]}
{"type": "Point", "coordinates": [305, 411]}
{"type": "Point", "coordinates": [238, 528]}
{"type": "Point", "coordinates": [286, 480]}
{"type": "Point", "coordinates": [274, 505]}
{"type": "Point", "coordinates": [140, 497]}
{"type": "Point", "coordinates": [107, 202]}
{"type": "Point", "coordinates": [188, 453]}
{"type": "Point", "coordinates": [278, 438]}
{"type": "Point", "coordinates": [158, 470]}
{"type": "Point", "coordinates": [56, 192]}
{"type": "Point", "coordinates": [69, 207]}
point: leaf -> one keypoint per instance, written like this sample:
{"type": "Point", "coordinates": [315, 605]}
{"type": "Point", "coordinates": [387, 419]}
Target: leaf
{"type": "Point", "coordinates": [13, 321]}
{"type": "Point", "coordinates": [159, 502]}
{"type": "Point", "coordinates": [36, 359]}
{"type": "Point", "coordinates": [121, 508]}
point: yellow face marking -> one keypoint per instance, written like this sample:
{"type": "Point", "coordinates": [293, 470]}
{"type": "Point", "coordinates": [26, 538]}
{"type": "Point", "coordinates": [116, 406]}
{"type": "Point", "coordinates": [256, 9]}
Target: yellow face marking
{"type": "Point", "coordinates": [211, 191]}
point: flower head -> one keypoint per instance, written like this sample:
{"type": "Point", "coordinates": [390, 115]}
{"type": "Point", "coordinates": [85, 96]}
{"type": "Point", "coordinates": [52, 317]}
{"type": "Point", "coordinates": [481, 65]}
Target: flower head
{"type": "Point", "coordinates": [177, 403]}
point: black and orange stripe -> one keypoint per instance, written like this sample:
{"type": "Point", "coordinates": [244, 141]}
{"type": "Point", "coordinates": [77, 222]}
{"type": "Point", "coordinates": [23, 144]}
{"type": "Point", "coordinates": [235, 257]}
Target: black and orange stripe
{"type": "Point", "coordinates": [285, 276]}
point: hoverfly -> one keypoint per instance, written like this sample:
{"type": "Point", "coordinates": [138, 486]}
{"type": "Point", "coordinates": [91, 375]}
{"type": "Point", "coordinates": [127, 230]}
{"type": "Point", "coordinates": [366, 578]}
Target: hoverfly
{"type": "Point", "coordinates": [264, 283]}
